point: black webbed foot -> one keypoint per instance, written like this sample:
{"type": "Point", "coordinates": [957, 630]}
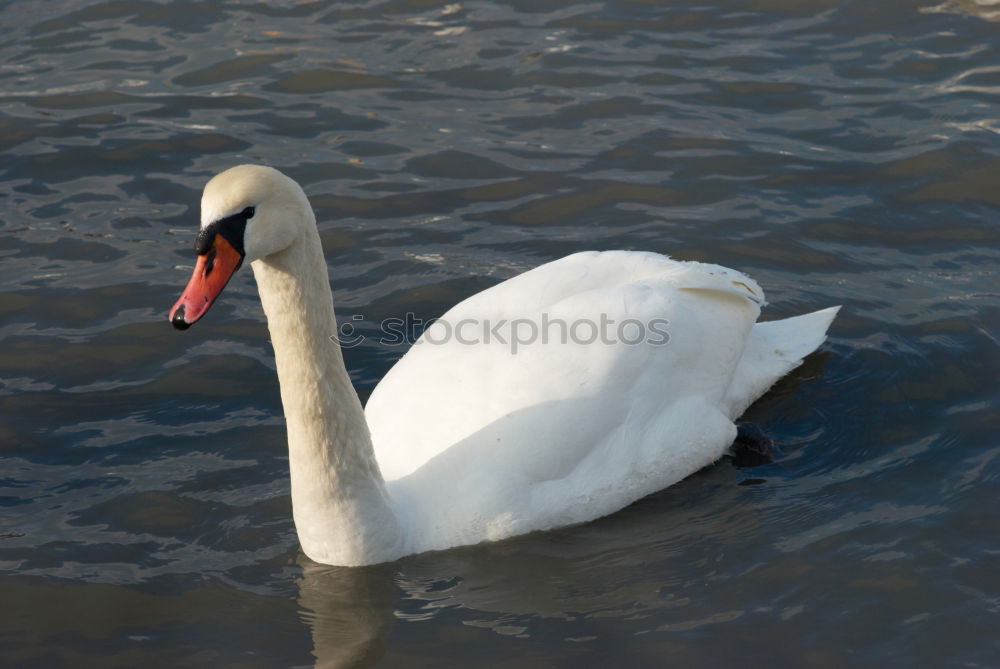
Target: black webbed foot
{"type": "Point", "coordinates": [752, 447]}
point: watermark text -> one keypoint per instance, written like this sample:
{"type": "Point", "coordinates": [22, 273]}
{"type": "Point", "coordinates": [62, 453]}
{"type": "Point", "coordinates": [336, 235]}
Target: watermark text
{"type": "Point", "coordinates": [515, 333]}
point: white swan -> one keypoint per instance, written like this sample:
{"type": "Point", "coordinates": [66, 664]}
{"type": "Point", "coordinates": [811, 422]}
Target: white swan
{"type": "Point", "coordinates": [477, 442]}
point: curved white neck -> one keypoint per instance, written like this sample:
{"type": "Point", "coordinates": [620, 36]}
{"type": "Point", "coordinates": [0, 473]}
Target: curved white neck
{"type": "Point", "coordinates": [341, 508]}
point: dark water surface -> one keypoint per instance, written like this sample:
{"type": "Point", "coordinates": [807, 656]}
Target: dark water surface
{"type": "Point", "coordinates": [839, 152]}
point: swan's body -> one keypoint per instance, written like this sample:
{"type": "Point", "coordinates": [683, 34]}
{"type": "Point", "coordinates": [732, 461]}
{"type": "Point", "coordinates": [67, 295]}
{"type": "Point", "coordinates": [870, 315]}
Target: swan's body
{"type": "Point", "coordinates": [477, 442]}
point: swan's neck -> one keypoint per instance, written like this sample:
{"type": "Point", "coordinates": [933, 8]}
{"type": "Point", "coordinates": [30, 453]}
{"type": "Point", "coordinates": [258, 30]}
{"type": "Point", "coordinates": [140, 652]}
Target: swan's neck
{"type": "Point", "coordinates": [341, 508]}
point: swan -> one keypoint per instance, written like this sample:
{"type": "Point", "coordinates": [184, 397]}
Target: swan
{"type": "Point", "coordinates": [481, 431]}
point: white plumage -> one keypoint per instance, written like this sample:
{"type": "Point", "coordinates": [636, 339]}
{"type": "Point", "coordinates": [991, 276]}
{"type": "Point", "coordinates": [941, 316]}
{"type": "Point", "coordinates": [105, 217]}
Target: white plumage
{"type": "Point", "coordinates": [478, 442]}
{"type": "Point", "coordinates": [480, 438]}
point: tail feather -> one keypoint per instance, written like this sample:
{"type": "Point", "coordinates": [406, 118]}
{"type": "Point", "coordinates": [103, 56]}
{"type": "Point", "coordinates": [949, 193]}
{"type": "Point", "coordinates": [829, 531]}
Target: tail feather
{"type": "Point", "coordinates": [774, 349]}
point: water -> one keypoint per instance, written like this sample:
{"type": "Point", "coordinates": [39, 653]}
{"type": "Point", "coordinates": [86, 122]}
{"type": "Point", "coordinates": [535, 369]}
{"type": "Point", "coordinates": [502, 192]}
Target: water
{"type": "Point", "coordinates": [839, 152]}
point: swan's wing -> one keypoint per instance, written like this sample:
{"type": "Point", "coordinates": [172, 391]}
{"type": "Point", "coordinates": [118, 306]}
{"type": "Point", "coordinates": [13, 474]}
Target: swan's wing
{"type": "Point", "coordinates": [536, 410]}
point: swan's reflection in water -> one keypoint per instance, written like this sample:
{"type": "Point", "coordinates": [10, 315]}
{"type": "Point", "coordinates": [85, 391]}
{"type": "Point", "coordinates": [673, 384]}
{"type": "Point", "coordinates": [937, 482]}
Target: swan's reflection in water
{"type": "Point", "coordinates": [648, 564]}
{"type": "Point", "coordinates": [705, 557]}
{"type": "Point", "coordinates": [573, 579]}
{"type": "Point", "coordinates": [348, 610]}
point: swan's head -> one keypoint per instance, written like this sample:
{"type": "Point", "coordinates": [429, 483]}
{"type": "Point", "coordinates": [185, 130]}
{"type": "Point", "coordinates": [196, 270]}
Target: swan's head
{"type": "Point", "coordinates": [248, 212]}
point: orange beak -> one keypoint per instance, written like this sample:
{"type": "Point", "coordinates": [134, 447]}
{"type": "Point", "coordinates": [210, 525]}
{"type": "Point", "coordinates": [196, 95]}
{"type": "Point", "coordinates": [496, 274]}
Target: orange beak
{"type": "Point", "coordinates": [211, 273]}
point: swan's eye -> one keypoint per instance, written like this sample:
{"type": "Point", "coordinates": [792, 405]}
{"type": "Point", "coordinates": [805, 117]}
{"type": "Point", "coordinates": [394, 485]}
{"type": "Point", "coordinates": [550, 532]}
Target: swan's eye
{"type": "Point", "coordinates": [247, 213]}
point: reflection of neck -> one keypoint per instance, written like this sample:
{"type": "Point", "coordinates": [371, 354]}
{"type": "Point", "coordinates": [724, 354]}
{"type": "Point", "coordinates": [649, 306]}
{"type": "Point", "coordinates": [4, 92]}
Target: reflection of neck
{"type": "Point", "coordinates": [351, 612]}
{"type": "Point", "coordinates": [339, 500]}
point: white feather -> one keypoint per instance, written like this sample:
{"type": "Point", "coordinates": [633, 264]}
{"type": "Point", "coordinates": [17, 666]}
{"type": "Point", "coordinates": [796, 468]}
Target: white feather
{"type": "Point", "coordinates": [483, 440]}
